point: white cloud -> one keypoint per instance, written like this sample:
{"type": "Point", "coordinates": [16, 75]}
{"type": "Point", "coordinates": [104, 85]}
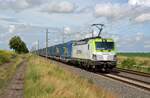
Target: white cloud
{"type": "Point", "coordinates": [139, 36]}
{"type": "Point", "coordinates": [130, 41]}
{"type": "Point", "coordinates": [95, 33]}
{"type": "Point", "coordinates": [139, 2]}
{"type": "Point", "coordinates": [22, 4]}
{"type": "Point", "coordinates": [36, 2]}
{"type": "Point", "coordinates": [88, 35]}
{"type": "Point", "coordinates": [86, 9]}
{"type": "Point", "coordinates": [18, 5]}
{"type": "Point", "coordinates": [49, 6]}
{"type": "Point", "coordinates": [112, 11]}
{"type": "Point", "coordinates": [11, 28]}
{"type": "Point", "coordinates": [35, 43]}
{"type": "Point", "coordinates": [67, 30]}
{"type": "Point", "coordinates": [14, 4]}
{"type": "Point", "coordinates": [116, 38]}
{"type": "Point", "coordinates": [8, 19]}
{"type": "Point", "coordinates": [116, 11]}
{"type": "Point", "coordinates": [143, 17]}
{"type": "Point", "coordinates": [60, 7]}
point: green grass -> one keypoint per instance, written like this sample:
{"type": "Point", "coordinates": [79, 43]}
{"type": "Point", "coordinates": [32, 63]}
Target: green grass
{"type": "Point", "coordinates": [128, 63]}
{"type": "Point", "coordinates": [134, 61]}
{"type": "Point", "coordinates": [135, 54]}
{"type": "Point", "coordinates": [6, 56]}
{"type": "Point", "coordinates": [46, 80]}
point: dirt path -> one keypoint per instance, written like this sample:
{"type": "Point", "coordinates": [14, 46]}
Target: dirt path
{"type": "Point", "coordinates": [15, 87]}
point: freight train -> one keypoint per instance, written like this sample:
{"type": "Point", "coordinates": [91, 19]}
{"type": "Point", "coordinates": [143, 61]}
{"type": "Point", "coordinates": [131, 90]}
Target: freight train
{"type": "Point", "coordinates": [93, 53]}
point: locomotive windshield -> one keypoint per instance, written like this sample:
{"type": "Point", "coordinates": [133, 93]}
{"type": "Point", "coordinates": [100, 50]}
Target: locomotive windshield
{"type": "Point", "coordinates": [104, 45]}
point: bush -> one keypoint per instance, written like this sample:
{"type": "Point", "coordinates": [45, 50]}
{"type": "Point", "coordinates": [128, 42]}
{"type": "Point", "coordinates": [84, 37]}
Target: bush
{"type": "Point", "coordinates": [3, 59]}
{"type": "Point", "coordinates": [6, 56]}
{"type": "Point", "coordinates": [128, 63]}
{"type": "Point", "coordinates": [148, 70]}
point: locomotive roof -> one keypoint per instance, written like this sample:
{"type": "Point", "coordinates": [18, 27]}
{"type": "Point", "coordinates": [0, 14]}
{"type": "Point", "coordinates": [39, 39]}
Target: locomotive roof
{"type": "Point", "coordinates": [87, 39]}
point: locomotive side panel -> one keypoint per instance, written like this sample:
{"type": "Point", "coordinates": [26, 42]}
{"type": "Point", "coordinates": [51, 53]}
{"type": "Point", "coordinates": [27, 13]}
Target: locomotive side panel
{"type": "Point", "coordinates": [81, 51]}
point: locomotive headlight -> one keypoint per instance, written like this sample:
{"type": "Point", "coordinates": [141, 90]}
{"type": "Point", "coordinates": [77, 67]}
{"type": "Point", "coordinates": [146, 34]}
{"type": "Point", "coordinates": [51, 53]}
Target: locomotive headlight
{"type": "Point", "coordinates": [94, 57]}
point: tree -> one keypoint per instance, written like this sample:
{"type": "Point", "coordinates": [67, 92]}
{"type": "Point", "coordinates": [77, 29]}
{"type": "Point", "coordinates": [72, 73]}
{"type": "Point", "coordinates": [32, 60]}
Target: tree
{"type": "Point", "coordinates": [18, 45]}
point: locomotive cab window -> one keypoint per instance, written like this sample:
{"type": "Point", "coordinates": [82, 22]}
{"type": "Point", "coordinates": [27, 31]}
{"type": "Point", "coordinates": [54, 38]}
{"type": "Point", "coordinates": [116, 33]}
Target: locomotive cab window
{"type": "Point", "coordinates": [104, 45]}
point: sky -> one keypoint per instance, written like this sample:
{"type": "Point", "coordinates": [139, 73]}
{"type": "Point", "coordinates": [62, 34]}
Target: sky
{"type": "Point", "coordinates": [126, 21]}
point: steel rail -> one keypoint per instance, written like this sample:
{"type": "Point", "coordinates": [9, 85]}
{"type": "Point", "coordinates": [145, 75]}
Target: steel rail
{"type": "Point", "coordinates": [132, 82]}
{"type": "Point", "coordinates": [133, 72]}
{"type": "Point", "coordinates": [142, 81]}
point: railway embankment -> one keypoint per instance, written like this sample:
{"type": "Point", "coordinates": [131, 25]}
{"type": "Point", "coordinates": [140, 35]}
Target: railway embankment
{"type": "Point", "coordinates": [47, 79]}
{"type": "Point", "coordinates": [120, 88]}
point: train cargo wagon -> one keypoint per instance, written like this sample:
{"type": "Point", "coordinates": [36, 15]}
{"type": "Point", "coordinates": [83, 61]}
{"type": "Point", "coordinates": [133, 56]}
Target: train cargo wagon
{"type": "Point", "coordinates": [51, 51]}
{"type": "Point", "coordinates": [61, 51]}
{"type": "Point", "coordinates": [58, 50]}
{"type": "Point", "coordinates": [66, 50]}
{"type": "Point", "coordinates": [43, 52]}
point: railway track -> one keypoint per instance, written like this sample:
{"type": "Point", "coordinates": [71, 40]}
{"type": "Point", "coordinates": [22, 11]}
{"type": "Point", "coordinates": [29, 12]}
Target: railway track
{"type": "Point", "coordinates": [142, 84]}
{"type": "Point", "coordinates": [133, 72]}
{"type": "Point", "coordinates": [133, 82]}
{"type": "Point", "coordinates": [134, 78]}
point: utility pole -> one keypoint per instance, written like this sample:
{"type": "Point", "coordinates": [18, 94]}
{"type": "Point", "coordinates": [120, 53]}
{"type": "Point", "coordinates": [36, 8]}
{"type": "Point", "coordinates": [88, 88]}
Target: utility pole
{"type": "Point", "coordinates": [46, 43]}
{"type": "Point", "coordinates": [38, 46]}
{"type": "Point", "coordinates": [63, 35]}
{"type": "Point", "coordinates": [63, 38]}
{"type": "Point", "coordinates": [38, 50]}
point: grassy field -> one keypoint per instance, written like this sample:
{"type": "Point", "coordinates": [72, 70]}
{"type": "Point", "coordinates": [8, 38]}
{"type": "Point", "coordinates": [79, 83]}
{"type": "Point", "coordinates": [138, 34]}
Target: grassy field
{"type": "Point", "coordinates": [8, 66]}
{"type": "Point", "coordinates": [135, 54]}
{"type": "Point", "coordinates": [134, 61]}
{"type": "Point", "coordinates": [45, 80]}
{"type": "Point", "coordinates": [6, 56]}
